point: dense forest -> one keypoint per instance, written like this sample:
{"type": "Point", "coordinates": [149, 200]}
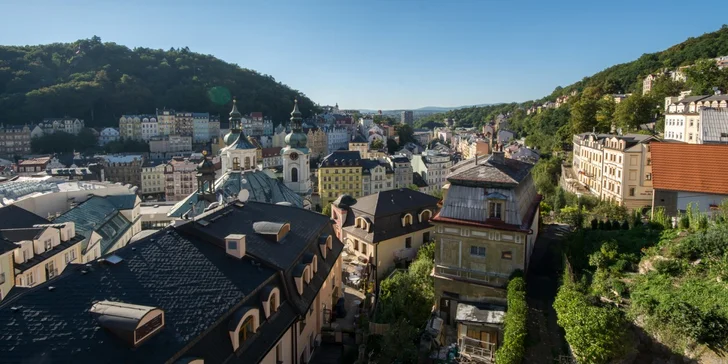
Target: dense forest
{"type": "Point", "coordinates": [590, 110]}
{"type": "Point", "coordinates": [101, 81]}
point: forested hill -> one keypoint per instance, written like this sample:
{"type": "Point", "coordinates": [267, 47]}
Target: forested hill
{"type": "Point", "coordinates": [621, 78]}
{"type": "Point", "coordinates": [101, 81]}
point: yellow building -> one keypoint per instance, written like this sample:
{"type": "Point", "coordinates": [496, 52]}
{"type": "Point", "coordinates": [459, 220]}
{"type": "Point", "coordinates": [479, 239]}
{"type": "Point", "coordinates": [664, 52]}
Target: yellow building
{"type": "Point", "coordinates": [340, 173]}
{"type": "Point", "coordinates": [486, 230]}
{"type": "Point", "coordinates": [317, 143]}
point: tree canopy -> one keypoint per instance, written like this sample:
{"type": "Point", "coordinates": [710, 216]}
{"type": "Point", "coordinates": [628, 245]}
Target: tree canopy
{"type": "Point", "coordinates": [101, 81]}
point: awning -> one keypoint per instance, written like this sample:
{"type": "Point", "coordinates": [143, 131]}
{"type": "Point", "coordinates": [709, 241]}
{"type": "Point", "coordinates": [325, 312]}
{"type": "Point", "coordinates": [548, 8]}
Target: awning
{"type": "Point", "coordinates": [486, 314]}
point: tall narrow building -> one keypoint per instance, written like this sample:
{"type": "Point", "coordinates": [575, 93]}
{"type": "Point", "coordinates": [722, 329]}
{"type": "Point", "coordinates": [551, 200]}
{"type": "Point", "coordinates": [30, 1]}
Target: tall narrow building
{"type": "Point", "coordinates": [239, 153]}
{"type": "Point", "coordinates": [296, 168]}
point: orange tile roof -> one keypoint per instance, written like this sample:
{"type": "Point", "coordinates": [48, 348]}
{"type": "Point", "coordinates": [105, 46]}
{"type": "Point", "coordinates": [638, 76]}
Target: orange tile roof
{"type": "Point", "coordinates": [690, 167]}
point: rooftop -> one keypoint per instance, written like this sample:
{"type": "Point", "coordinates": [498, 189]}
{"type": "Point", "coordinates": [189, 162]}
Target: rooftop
{"type": "Point", "coordinates": [342, 158]}
{"type": "Point", "coordinates": [715, 124]}
{"type": "Point", "coordinates": [100, 215]}
{"type": "Point", "coordinates": [490, 172]}
{"type": "Point", "coordinates": [704, 174]}
{"type": "Point", "coordinates": [35, 161]}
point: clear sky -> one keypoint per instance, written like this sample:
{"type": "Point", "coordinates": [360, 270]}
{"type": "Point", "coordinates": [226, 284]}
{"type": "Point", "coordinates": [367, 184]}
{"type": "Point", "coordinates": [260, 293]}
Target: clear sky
{"type": "Point", "coordinates": [389, 54]}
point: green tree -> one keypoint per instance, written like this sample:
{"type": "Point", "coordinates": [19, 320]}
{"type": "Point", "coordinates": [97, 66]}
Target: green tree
{"type": "Point", "coordinates": [413, 187]}
{"type": "Point", "coordinates": [377, 144]}
{"type": "Point", "coordinates": [398, 345]}
{"type": "Point", "coordinates": [392, 146]}
{"type": "Point", "coordinates": [605, 112]}
{"type": "Point", "coordinates": [635, 110]}
{"type": "Point", "coordinates": [326, 210]}
{"type": "Point", "coordinates": [584, 111]}
{"type": "Point", "coordinates": [405, 133]}
{"type": "Point", "coordinates": [705, 75]}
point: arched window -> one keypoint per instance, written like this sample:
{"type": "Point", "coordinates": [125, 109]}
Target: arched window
{"type": "Point", "coordinates": [273, 304]}
{"type": "Point", "coordinates": [247, 162]}
{"type": "Point", "coordinates": [307, 274]}
{"type": "Point", "coordinates": [425, 215]}
{"type": "Point", "coordinates": [236, 163]}
{"type": "Point", "coordinates": [246, 330]}
{"type": "Point", "coordinates": [294, 174]}
{"type": "Point", "coordinates": [272, 301]}
{"type": "Point", "coordinates": [407, 220]}
{"type": "Point", "coordinates": [315, 264]}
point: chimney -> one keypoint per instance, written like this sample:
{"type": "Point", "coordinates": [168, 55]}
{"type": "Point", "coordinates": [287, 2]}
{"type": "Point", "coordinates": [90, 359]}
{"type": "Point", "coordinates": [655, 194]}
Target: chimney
{"type": "Point", "coordinates": [235, 245]}
{"type": "Point", "coordinates": [498, 157]}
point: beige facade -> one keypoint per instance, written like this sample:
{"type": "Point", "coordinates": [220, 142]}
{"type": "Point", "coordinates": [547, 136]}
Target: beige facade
{"type": "Point", "coordinates": [130, 127]}
{"type": "Point", "coordinates": [170, 144]}
{"type": "Point", "coordinates": [7, 273]}
{"type": "Point", "coordinates": [615, 168]}
{"type": "Point", "coordinates": [317, 143]}
{"type": "Point", "coordinates": [46, 255]}
{"type": "Point", "coordinates": [153, 179]}
{"type": "Point", "coordinates": [124, 169]}
{"type": "Point", "coordinates": [180, 179]}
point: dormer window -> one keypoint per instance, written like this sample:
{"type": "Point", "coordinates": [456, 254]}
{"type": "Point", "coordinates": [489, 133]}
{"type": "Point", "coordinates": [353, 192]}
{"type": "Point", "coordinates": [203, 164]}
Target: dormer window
{"type": "Point", "coordinates": [243, 325]}
{"type": "Point", "coordinates": [425, 215]}
{"type": "Point", "coordinates": [407, 220]}
{"type": "Point", "coordinates": [495, 210]}
{"type": "Point", "coordinates": [271, 300]}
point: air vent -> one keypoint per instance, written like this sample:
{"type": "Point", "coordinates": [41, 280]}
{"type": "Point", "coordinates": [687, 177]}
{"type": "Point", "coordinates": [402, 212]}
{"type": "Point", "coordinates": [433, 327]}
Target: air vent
{"type": "Point", "coordinates": [112, 259]}
{"type": "Point", "coordinates": [132, 323]}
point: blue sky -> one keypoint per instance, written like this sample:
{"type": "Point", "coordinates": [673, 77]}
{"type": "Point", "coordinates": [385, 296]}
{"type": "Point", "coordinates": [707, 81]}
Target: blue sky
{"type": "Point", "coordinates": [383, 54]}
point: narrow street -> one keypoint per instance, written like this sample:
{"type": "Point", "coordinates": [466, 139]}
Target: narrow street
{"type": "Point", "coordinates": [545, 341]}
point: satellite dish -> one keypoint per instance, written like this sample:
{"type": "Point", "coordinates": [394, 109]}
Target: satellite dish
{"type": "Point", "coordinates": [243, 195]}
{"type": "Point", "coordinates": [243, 181]}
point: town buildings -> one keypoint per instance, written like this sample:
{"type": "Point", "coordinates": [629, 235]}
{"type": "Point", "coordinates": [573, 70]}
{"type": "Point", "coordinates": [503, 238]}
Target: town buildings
{"type": "Point", "coordinates": [201, 127]}
{"type": "Point", "coordinates": [408, 117]}
{"type": "Point", "coordinates": [340, 173]}
{"type": "Point", "coordinates": [162, 147]}
{"type": "Point", "coordinates": [359, 144]}
{"type": "Point", "coordinates": [279, 136]}
{"type": "Point", "coordinates": [272, 157]}
{"type": "Point", "coordinates": [245, 299]}
{"type": "Point", "coordinates": [153, 181]}
{"type": "Point", "coordinates": [108, 135]}
{"type": "Point", "coordinates": [296, 157]}
{"type": "Point", "coordinates": [402, 168]}
{"type": "Point", "coordinates": [336, 138]}
{"type": "Point", "coordinates": [486, 230]}
{"type": "Point", "coordinates": [180, 178]}
{"type": "Point", "coordinates": [67, 125]}
{"type": "Point", "coordinates": [616, 168]}
{"type": "Point", "coordinates": [684, 116]}
{"type": "Point", "coordinates": [702, 182]}
{"type": "Point", "coordinates": [433, 166]}
{"type": "Point", "coordinates": [150, 128]}
{"type": "Point", "coordinates": [29, 167]}
{"type": "Point", "coordinates": [386, 228]}
{"type": "Point", "coordinates": [317, 142]}
{"type": "Point", "coordinates": [126, 169]}
{"type": "Point", "coordinates": [130, 127]}
{"type": "Point", "coordinates": [14, 140]}
{"type": "Point", "coordinates": [377, 176]}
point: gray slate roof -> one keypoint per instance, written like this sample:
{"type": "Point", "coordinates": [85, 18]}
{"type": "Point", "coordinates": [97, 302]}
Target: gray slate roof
{"type": "Point", "coordinates": [22, 234]}
{"type": "Point", "coordinates": [260, 186]}
{"type": "Point", "coordinates": [715, 123]}
{"type": "Point", "coordinates": [13, 217]}
{"type": "Point", "coordinates": [101, 215]}
{"type": "Point", "coordinates": [342, 158]}
{"type": "Point", "coordinates": [490, 173]}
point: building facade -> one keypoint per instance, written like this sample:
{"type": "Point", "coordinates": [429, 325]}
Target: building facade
{"type": "Point", "coordinates": [153, 181]}
{"type": "Point", "coordinates": [317, 143]}
{"type": "Point", "coordinates": [296, 156]}
{"type": "Point", "coordinates": [377, 176]}
{"type": "Point", "coordinates": [179, 179]}
{"type": "Point", "coordinates": [407, 117]}
{"type": "Point", "coordinates": [14, 140]}
{"type": "Point", "coordinates": [340, 173]}
{"type": "Point", "coordinates": [108, 135]}
{"type": "Point", "coordinates": [201, 127]}
{"type": "Point", "coordinates": [130, 127]}
{"type": "Point", "coordinates": [150, 128]}
{"type": "Point", "coordinates": [126, 169]}
{"type": "Point", "coordinates": [402, 168]}
{"type": "Point", "coordinates": [433, 166]}
{"type": "Point", "coordinates": [486, 230]}
{"type": "Point", "coordinates": [169, 146]}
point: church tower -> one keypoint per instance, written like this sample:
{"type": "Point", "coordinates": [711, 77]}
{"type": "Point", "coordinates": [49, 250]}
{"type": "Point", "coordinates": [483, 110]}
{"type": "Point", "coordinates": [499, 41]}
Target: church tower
{"type": "Point", "coordinates": [295, 155]}
{"type": "Point", "coordinates": [206, 178]}
{"type": "Point", "coordinates": [239, 154]}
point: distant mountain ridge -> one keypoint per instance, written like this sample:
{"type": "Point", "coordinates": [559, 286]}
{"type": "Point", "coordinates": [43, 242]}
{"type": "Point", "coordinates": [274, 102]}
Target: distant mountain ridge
{"type": "Point", "coordinates": [424, 109]}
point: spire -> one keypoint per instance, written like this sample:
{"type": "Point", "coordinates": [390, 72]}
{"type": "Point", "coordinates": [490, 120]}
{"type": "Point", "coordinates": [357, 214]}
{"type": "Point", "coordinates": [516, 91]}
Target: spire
{"type": "Point", "coordinates": [235, 116]}
{"type": "Point", "coordinates": [295, 117]}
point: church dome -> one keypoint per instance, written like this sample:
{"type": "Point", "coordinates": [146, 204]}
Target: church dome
{"type": "Point", "coordinates": [296, 140]}
{"type": "Point", "coordinates": [231, 137]}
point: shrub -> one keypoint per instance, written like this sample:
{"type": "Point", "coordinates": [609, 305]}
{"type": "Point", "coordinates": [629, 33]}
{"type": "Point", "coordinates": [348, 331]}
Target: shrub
{"type": "Point", "coordinates": [669, 267]}
{"type": "Point", "coordinates": [595, 333]}
{"type": "Point", "coordinates": [514, 332]}
{"type": "Point", "coordinates": [684, 222]}
{"type": "Point", "coordinates": [625, 225]}
{"type": "Point", "coordinates": [636, 218]}
{"type": "Point", "coordinates": [607, 225]}
{"type": "Point", "coordinates": [594, 224]}
{"type": "Point", "coordinates": [601, 225]}
{"type": "Point", "coordinates": [615, 225]}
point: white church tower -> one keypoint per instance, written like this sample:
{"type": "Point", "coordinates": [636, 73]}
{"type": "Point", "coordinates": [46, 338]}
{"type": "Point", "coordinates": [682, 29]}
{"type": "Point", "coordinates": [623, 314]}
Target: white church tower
{"type": "Point", "coordinates": [296, 168]}
{"type": "Point", "coordinates": [239, 154]}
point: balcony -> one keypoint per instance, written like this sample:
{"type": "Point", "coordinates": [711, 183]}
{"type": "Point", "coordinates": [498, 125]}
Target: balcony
{"type": "Point", "coordinates": [476, 350]}
{"type": "Point", "coordinates": [478, 277]}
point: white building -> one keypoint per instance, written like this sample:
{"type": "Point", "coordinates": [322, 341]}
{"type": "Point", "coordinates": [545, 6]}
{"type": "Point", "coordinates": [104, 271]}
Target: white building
{"type": "Point", "coordinates": [433, 166]}
{"type": "Point", "coordinates": [684, 116]}
{"type": "Point", "coordinates": [337, 138]}
{"type": "Point", "coordinates": [201, 127]}
{"type": "Point", "coordinates": [149, 127]}
{"type": "Point", "coordinates": [376, 177]}
{"type": "Point", "coordinates": [108, 135]}
{"type": "Point", "coordinates": [402, 168]}
{"type": "Point", "coordinates": [296, 168]}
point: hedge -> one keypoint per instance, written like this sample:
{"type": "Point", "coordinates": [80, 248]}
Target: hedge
{"type": "Point", "coordinates": [514, 335]}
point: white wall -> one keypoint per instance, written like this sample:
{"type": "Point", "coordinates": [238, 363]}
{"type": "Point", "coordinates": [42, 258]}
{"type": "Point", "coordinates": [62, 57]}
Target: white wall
{"type": "Point", "coordinates": [58, 202]}
{"type": "Point", "coordinates": [703, 200]}
{"type": "Point", "coordinates": [285, 344]}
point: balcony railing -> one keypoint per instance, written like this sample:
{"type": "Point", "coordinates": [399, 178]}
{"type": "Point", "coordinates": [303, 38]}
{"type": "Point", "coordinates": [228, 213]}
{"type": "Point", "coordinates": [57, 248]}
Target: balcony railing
{"type": "Point", "coordinates": [489, 278]}
{"type": "Point", "coordinates": [476, 350]}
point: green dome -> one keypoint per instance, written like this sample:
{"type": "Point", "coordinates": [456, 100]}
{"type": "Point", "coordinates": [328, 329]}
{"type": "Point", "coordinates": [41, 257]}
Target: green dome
{"type": "Point", "coordinates": [296, 140]}
{"type": "Point", "coordinates": [231, 137]}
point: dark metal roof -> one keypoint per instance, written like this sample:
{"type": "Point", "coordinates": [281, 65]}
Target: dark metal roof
{"type": "Point", "coordinates": [418, 181]}
{"type": "Point", "coordinates": [342, 158]}
{"type": "Point", "coordinates": [6, 246]}
{"type": "Point", "coordinates": [13, 217]}
{"type": "Point", "coordinates": [100, 215]}
{"type": "Point", "coordinates": [21, 234]}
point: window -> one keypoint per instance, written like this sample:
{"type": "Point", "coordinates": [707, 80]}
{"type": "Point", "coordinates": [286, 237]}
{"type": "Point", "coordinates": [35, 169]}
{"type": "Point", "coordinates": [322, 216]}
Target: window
{"type": "Point", "coordinates": [232, 245]}
{"type": "Point", "coordinates": [30, 279]}
{"type": "Point", "coordinates": [48, 245]}
{"type": "Point", "coordinates": [495, 209]}
{"type": "Point", "coordinates": [508, 255]}
{"type": "Point", "coordinates": [631, 191]}
{"type": "Point", "coordinates": [477, 251]}
{"type": "Point", "coordinates": [246, 331]}
{"type": "Point", "coordinates": [408, 242]}
{"type": "Point", "coordinates": [407, 220]}
{"type": "Point", "coordinates": [356, 244]}
{"type": "Point", "coordinates": [294, 174]}
{"type": "Point", "coordinates": [648, 177]}
{"type": "Point", "coordinates": [279, 353]}
{"type": "Point", "coordinates": [364, 248]}
{"type": "Point", "coordinates": [272, 304]}
{"type": "Point", "coordinates": [247, 162]}
{"type": "Point", "coordinates": [2, 277]}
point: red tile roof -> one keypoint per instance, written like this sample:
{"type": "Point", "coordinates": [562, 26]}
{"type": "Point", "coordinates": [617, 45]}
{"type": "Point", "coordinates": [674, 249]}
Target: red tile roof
{"type": "Point", "coordinates": [690, 167]}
